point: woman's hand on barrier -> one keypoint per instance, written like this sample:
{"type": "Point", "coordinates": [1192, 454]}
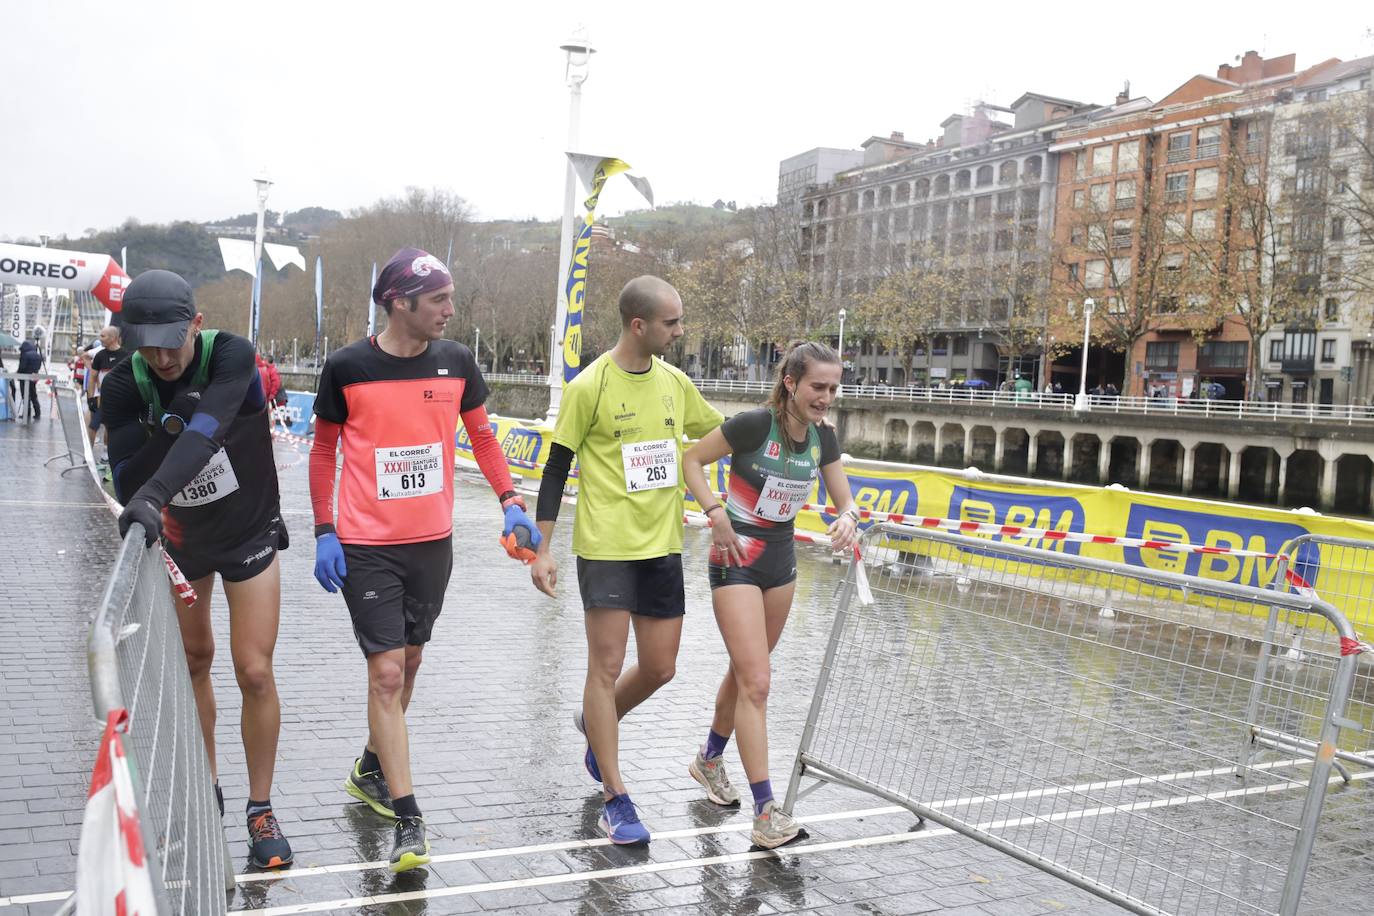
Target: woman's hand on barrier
{"type": "Point", "coordinates": [146, 514]}
{"type": "Point", "coordinates": [843, 532]}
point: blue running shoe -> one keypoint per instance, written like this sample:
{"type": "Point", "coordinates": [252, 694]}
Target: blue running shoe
{"type": "Point", "coordinates": [588, 759]}
{"type": "Point", "coordinates": [621, 822]}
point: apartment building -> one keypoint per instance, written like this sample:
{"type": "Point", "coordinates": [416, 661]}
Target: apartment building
{"type": "Point", "coordinates": [1321, 177]}
{"type": "Point", "coordinates": [1145, 229]}
{"type": "Point", "coordinates": [980, 194]}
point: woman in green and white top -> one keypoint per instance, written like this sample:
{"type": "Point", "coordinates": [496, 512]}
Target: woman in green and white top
{"type": "Point", "coordinates": [776, 452]}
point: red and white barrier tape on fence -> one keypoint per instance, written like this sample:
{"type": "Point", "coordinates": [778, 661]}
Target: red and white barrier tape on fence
{"type": "Point", "coordinates": [179, 584]}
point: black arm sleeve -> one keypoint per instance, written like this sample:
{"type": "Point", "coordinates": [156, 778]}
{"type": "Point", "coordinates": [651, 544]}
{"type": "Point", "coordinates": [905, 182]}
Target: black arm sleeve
{"type": "Point", "coordinates": [746, 431]}
{"type": "Point", "coordinates": [133, 454]}
{"type": "Point", "coordinates": [475, 392]}
{"type": "Point", "coordinates": [551, 485]}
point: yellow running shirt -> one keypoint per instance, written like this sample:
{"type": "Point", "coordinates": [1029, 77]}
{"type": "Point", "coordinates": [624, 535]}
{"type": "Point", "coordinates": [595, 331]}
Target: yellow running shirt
{"type": "Point", "coordinates": [626, 430]}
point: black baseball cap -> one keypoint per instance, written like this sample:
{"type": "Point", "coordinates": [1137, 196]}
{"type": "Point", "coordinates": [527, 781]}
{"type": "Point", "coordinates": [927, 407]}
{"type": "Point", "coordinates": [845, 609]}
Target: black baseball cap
{"type": "Point", "coordinates": [158, 308]}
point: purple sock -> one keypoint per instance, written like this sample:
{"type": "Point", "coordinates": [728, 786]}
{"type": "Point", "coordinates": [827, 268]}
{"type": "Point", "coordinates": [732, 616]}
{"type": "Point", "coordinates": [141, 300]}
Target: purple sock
{"type": "Point", "coordinates": [763, 794]}
{"type": "Point", "coordinates": [715, 745]}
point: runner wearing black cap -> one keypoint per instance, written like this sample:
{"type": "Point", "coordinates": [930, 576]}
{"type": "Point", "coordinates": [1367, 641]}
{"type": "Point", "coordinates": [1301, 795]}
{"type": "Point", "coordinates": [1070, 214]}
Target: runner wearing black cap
{"type": "Point", "coordinates": [396, 400]}
{"type": "Point", "coordinates": [191, 458]}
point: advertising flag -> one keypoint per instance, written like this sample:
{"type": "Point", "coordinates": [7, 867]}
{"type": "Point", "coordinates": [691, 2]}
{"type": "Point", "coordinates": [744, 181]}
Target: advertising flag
{"type": "Point", "coordinates": [592, 171]}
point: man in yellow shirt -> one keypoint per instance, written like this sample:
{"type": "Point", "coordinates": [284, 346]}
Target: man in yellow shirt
{"type": "Point", "coordinates": [624, 416]}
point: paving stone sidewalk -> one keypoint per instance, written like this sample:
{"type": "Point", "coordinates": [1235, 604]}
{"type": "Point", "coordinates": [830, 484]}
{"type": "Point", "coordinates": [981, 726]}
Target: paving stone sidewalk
{"type": "Point", "coordinates": [498, 765]}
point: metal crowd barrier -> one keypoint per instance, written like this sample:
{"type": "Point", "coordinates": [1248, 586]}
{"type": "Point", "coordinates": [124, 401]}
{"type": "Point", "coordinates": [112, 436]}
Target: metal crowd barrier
{"type": "Point", "coordinates": [137, 662]}
{"type": "Point", "coordinates": [72, 418]}
{"type": "Point", "coordinates": [1083, 716]}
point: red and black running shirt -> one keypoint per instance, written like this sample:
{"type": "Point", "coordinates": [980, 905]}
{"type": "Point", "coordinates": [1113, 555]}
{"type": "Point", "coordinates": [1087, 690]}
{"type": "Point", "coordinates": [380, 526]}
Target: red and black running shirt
{"type": "Point", "coordinates": [400, 418]}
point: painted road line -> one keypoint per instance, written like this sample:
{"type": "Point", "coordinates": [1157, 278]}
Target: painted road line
{"type": "Point", "coordinates": [735, 827]}
{"type": "Point", "coordinates": [649, 868]}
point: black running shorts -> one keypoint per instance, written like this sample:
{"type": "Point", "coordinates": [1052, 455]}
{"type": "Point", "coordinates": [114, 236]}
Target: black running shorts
{"type": "Point", "coordinates": [651, 588]}
{"type": "Point", "coordinates": [395, 592]}
{"type": "Point", "coordinates": [238, 563]}
{"type": "Point", "coordinates": [767, 564]}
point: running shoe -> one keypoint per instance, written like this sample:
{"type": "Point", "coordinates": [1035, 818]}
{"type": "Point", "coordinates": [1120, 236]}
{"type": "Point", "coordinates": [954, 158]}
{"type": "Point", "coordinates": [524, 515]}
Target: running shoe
{"type": "Point", "coordinates": [620, 821]}
{"type": "Point", "coordinates": [267, 846]}
{"type": "Point", "coordinates": [588, 759]}
{"type": "Point", "coordinates": [711, 774]}
{"type": "Point", "coordinates": [411, 849]}
{"type": "Point", "coordinates": [370, 789]}
{"type": "Point", "coordinates": [774, 827]}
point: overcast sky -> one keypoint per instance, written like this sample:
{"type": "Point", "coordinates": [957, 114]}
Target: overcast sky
{"type": "Point", "coordinates": [166, 111]}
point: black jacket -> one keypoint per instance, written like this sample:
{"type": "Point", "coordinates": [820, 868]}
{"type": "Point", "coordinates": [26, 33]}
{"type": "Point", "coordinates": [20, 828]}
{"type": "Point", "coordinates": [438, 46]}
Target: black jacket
{"type": "Point", "coordinates": [30, 357]}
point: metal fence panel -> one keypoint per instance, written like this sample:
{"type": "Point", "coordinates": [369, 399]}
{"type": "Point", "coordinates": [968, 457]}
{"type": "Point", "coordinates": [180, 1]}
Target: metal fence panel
{"type": "Point", "coordinates": [137, 661]}
{"type": "Point", "coordinates": [1084, 716]}
{"type": "Point", "coordinates": [73, 429]}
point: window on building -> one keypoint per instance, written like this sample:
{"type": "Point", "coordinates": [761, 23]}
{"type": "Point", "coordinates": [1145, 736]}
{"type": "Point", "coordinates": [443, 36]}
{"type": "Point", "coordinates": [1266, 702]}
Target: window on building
{"type": "Point", "coordinates": [1161, 354]}
{"type": "Point", "coordinates": [1307, 180]}
{"type": "Point", "coordinates": [1204, 224]}
{"type": "Point", "coordinates": [1122, 229]}
{"type": "Point", "coordinates": [1340, 180]}
{"type": "Point", "coordinates": [1095, 274]}
{"type": "Point", "coordinates": [1317, 95]}
{"type": "Point", "coordinates": [1080, 199]}
{"type": "Point", "coordinates": [1128, 156]}
{"type": "Point", "coordinates": [1078, 235]}
{"type": "Point", "coordinates": [1100, 196]}
{"type": "Point", "coordinates": [1333, 269]}
{"type": "Point", "coordinates": [1224, 354]}
{"type": "Point", "coordinates": [1030, 203]}
{"type": "Point", "coordinates": [1031, 170]}
{"type": "Point", "coordinates": [868, 199]}
{"type": "Point", "coordinates": [942, 184]}
{"type": "Point", "coordinates": [808, 210]}
{"type": "Point", "coordinates": [1121, 272]}
{"type": "Point", "coordinates": [900, 220]}
{"type": "Point", "coordinates": [962, 180]}
{"type": "Point", "coordinates": [1175, 187]}
{"type": "Point", "coordinates": [961, 346]}
{"type": "Point", "coordinates": [959, 213]}
{"type": "Point", "coordinates": [939, 345]}
{"type": "Point", "coordinates": [1299, 345]}
{"type": "Point", "coordinates": [1102, 161]}
{"type": "Point", "coordinates": [1276, 349]}
{"type": "Point", "coordinates": [822, 208]}
{"type": "Point", "coordinates": [922, 188]}
{"type": "Point", "coordinates": [1205, 184]}
{"type": "Point", "coordinates": [1006, 203]}
{"type": "Point", "coordinates": [1208, 141]}
{"type": "Point", "coordinates": [1331, 309]}
{"type": "Point", "coordinates": [1173, 262]}
{"type": "Point", "coordinates": [1125, 194]}
{"type": "Point", "coordinates": [885, 197]}
{"type": "Point", "coordinates": [1006, 173]}
{"type": "Point", "coordinates": [1337, 228]}
{"type": "Point", "coordinates": [1180, 144]}
{"type": "Point", "coordinates": [984, 175]}
{"type": "Point", "coordinates": [903, 193]}
{"type": "Point", "coordinates": [939, 214]}
{"type": "Point", "coordinates": [1328, 349]}
{"type": "Point", "coordinates": [918, 221]}
{"type": "Point", "coordinates": [1097, 237]}
{"type": "Point", "coordinates": [1166, 305]}
{"type": "Point", "coordinates": [1175, 227]}
{"type": "Point", "coordinates": [1002, 241]}
{"type": "Point", "coordinates": [1246, 261]}
{"type": "Point", "coordinates": [1073, 272]}
{"type": "Point", "coordinates": [1080, 164]}
{"type": "Point", "coordinates": [982, 206]}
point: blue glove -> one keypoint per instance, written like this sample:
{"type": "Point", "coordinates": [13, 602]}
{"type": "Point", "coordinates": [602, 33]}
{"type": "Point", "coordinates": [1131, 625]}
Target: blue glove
{"type": "Point", "coordinates": [330, 569]}
{"type": "Point", "coordinates": [516, 518]}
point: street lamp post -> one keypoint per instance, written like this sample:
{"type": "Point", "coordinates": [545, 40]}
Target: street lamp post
{"type": "Point", "coordinates": [843, 314]}
{"type": "Point", "coordinates": [1081, 402]}
{"type": "Point", "coordinates": [264, 185]}
{"type": "Point", "coordinates": [579, 57]}
{"type": "Point", "coordinates": [477, 345]}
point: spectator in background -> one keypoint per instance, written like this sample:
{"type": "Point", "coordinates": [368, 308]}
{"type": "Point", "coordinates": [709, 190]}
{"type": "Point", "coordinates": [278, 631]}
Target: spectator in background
{"type": "Point", "coordinates": [30, 363]}
{"type": "Point", "coordinates": [271, 379]}
{"type": "Point", "coordinates": [103, 360]}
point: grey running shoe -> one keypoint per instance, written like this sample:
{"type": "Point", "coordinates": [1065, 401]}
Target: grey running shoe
{"type": "Point", "coordinates": [711, 774]}
{"type": "Point", "coordinates": [774, 827]}
{"type": "Point", "coordinates": [411, 849]}
{"type": "Point", "coordinates": [370, 789]}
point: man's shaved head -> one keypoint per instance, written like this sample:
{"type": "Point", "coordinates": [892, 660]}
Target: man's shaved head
{"type": "Point", "coordinates": [109, 336]}
{"type": "Point", "coordinates": [643, 296]}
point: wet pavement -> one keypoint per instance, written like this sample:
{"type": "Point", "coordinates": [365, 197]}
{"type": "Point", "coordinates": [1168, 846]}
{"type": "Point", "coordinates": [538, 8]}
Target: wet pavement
{"type": "Point", "coordinates": [512, 813]}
